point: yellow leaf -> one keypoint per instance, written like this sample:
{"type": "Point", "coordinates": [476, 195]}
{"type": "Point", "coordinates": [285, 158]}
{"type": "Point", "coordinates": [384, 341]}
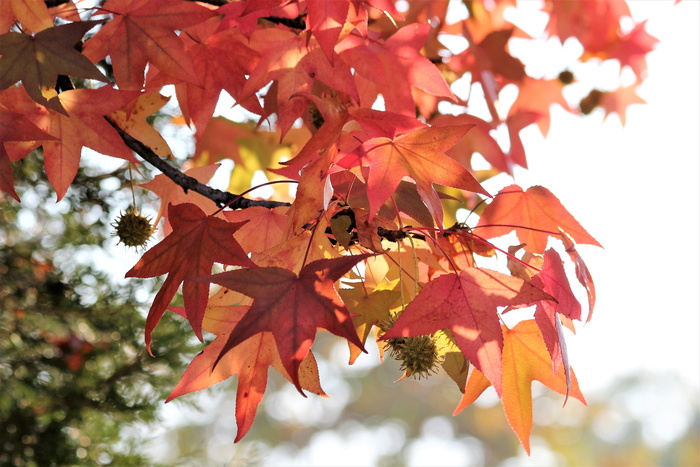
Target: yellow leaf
{"type": "Point", "coordinates": [135, 124]}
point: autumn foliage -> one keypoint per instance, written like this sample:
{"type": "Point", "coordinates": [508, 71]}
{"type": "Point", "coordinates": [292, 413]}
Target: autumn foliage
{"type": "Point", "coordinates": [361, 113]}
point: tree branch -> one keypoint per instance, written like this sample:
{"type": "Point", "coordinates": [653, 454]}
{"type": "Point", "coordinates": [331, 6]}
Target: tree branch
{"type": "Point", "coordinates": [219, 197]}
{"type": "Point", "coordinates": [187, 183]}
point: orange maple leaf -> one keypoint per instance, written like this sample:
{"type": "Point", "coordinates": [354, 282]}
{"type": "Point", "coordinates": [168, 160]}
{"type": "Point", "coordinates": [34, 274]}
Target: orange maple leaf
{"type": "Point", "coordinates": [418, 154]}
{"type": "Point", "coordinates": [618, 100]}
{"type": "Point", "coordinates": [83, 125]}
{"type": "Point", "coordinates": [292, 307]}
{"type": "Point", "coordinates": [31, 14]}
{"type": "Point", "coordinates": [263, 228]}
{"type": "Point", "coordinates": [249, 360]}
{"type": "Point", "coordinates": [195, 244]}
{"type": "Point", "coordinates": [38, 60]}
{"type": "Point", "coordinates": [535, 215]}
{"type": "Point", "coordinates": [466, 303]}
{"type": "Point", "coordinates": [537, 96]}
{"type": "Point", "coordinates": [525, 359]}
{"type": "Point", "coordinates": [143, 31]}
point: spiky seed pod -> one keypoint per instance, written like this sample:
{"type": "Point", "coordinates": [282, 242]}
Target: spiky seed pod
{"type": "Point", "coordinates": [133, 228]}
{"type": "Point", "coordinates": [419, 356]}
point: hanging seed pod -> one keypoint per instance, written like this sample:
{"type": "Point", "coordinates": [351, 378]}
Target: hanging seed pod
{"type": "Point", "coordinates": [419, 356]}
{"type": "Point", "coordinates": [133, 228]}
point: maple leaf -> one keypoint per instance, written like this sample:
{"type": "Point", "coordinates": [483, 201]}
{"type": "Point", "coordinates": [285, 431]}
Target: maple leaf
{"type": "Point", "coordinates": [205, 49]}
{"type": "Point", "coordinates": [632, 48]}
{"type": "Point", "coordinates": [490, 54]}
{"type": "Point", "coordinates": [617, 101]}
{"type": "Point", "coordinates": [292, 307]}
{"type": "Point", "coordinates": [418, 154]}
{"type": "Point", "coordinates": [326, 20]}
{"type": "Point", "coordinates": [582, 273]}
{"type": "Point", "coordinates": [369, 309]}
{"type": "Point", "coordinates": [249, 360]}
{"type": "Point", "coordinates": [537, 96]}
{"type": "Point", "coordinates": [38, 60]}
{"type": "Point", "coordinates": [525, 359]}
{"type": "Point", "coordinates": [195, 244]}
{"type": "Point", "coordinates": [295, 62]}
{"type": "Point", "coordinates": [395, 65]}
{"type": "Point", "coordinates": [478, 139]}
{"type": "Point", "coordinates": [14, 127]}
{"type": "Point", "coordinates": [466, 303]}
{"type": "Point", "coordinates": [84, 125]}
{"type": "Point", "coordinates": [143, 31]}
{"type": "Point", "coordinates": [170, 192]}
{"type": "Point", "coordinates": [263, 228]}
{"type": "Point", "coordinates": [535, 215]}
{"type": "Point", "coordinates": [133, 121]}
{"type": "Point", "coordinates": [33, 15]}
{"type": "Point", "coordinates": [552, 279]}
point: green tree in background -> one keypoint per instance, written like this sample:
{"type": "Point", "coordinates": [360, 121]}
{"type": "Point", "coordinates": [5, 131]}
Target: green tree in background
{"type": "Point", "coordinates": [73, 370]}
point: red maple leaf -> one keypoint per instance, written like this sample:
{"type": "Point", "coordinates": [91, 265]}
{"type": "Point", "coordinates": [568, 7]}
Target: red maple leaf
{"type": "Point", "coordinates": [195, 244]}
{"type": "Point", "coordinates": [582, 273]}
{"type": "Point", "coordinates": [292, 307]}
{"type": "Point", "coordinates": [632, 48]}
{"type": "Point", "coordinates": [205, 48]}
{"type": "Point", "coordinates": [535, 215]}
{"type": "Point", "coordinates": [394, 66]}
{"type": "Point", "coordinates": [143, 31]}
{"type": "Point", "coordinates": [14, 127]}
{"type": "Point", "coordinates": [418, 154]}
{"type": "Point", "coordinates": [326, 21]}
{"type": "Point", "coordinates": [295, 62]}
{"type": "Point", "coordinates": [490, 55]}
{"type": "Point", "coordinates": [552, 279]}
{"type": "Point", "coordinates": [250, 361]}
{"type": "Point", "coordinates": [466, 303]}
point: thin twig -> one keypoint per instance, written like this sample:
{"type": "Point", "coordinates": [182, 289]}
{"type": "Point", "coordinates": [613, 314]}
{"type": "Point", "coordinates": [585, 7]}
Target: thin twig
{"type": "Point", "coordinates": [187, 183]}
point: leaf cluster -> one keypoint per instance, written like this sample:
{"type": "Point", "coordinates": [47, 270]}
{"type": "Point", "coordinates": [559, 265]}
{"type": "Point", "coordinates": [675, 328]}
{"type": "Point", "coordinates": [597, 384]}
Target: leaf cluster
{"type": "Point", "coordinates": [366, 110]}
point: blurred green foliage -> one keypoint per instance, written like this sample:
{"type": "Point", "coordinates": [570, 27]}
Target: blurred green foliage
{"type": "Point", "coordinates": [73, 368]}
